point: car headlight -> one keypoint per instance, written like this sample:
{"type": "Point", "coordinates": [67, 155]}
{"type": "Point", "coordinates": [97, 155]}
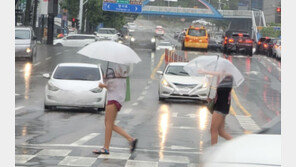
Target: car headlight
{"type": "Point", "coordinates": [96, 90]}
{"type": "Point", "coordinates": [152, 40]}
{"type": "Point", "coordinates": [205, 85]}
{"type": "Point", "coordinates": [126, 37]}
{"type": "Point", "coordinates": [165, 83]}
{"type": "Point", "coordinates": [133, 39]}
{"type": "Point", "coordinates": [120, 42]}
{"type": "Point", "coordinates": [52, 87]}
{"type": "Point", "coordinates": [28, 50]}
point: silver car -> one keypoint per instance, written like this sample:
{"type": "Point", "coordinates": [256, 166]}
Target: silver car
{"type": "Point", "coordinates": [25, 43]}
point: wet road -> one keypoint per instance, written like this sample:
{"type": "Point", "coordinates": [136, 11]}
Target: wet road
{"type": "Point", "coordinates": [171, 133]}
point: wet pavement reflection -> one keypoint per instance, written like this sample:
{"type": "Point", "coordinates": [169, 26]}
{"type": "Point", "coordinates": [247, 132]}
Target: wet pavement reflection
{"type": "Point", "coordinates": [27, 76]}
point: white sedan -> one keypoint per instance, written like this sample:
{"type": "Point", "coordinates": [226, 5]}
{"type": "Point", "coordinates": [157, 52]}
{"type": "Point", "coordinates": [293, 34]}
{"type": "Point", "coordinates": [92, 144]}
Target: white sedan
{"type": "Point", "coordinates": [176, 83]}
{"type": "Point", "coordinates": [75, 40]}
{"type": "Point", "coordinates": [75, 85]}
{"type": "Point", "coordinates": [165, 45]}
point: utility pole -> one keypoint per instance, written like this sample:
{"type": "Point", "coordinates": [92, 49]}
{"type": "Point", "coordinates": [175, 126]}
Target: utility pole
{"type": "Point", "coordinates": [52, 12]}
{"type": "Point", "coordinates": [35, 14]}
{"type": "Point", "coordinates": [80, 14]}
{"type": "Point", "coordinates": [27, 13]}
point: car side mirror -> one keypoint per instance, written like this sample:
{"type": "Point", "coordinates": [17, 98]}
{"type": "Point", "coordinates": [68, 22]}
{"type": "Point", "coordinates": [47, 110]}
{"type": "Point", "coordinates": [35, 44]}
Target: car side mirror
{"type": "Point", "coordinates": [159, 72]}
{"type": "Point", "coordinates": [46, 75]}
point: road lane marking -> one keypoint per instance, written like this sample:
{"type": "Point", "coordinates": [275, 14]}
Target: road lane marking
{"type": "Point", "coordinates": [21, 159]}
{"type": "Point", "coordinates": [184, 127]}
{"type": "Point", "coordinates": [36, 64]}
{"type": "Point", "coordinates": [136, 163]}
{"type": "Point", "coordinates": [247, 123]}
{"type": "Point", "coordinates": [239, 104]}
{"type": "Point", "coordinates": [135, 104]}
{"type": "Point", "coordinates": [113, 148]}
{"type": "Point", "coordinates": [127, 111]}
{"type": "Point", "coordinates": [147, 87]}
{"type": "Point", "coordinates": [144, 92]}
{"type": "Point", "coordinates": [18, 108]}
{"type": "Point", "coordinates": [48, 58]}
{"type": "Point", "coordinates": [17, 94]}
{"type": "Point", "coordinates": [140, 98]}
{"type": "Point", "coordinates": [85, 139]}
{"type": "Point", "coordinates": [175, 114]}
{"type": "Point", "coordinates": [77, 161]}
{"type": "Point", "coordinates": [54, 152]}
{"type": "Point", "coordinates": [174, 159]}
{"type": "Point", "coordinates": [152, 76]}
{"type": "Point", "coordinates": [173, 147]}
{"type": "Point", "coordinates": [114, 155]}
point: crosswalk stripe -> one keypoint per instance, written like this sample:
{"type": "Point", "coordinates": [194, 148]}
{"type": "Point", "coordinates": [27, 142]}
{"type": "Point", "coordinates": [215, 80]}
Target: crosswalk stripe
{"type": "Point", "coordinates": [85, 139]}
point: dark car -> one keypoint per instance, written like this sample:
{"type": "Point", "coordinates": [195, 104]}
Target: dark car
{"type": "Point", "coordinates": [143, 40]}
{"type": "Point", "coordinates": [262, 45]}
{"type": "Point", "coordinates": [267, 46]}
{"type": "Point", "coordinates": [238, 42]}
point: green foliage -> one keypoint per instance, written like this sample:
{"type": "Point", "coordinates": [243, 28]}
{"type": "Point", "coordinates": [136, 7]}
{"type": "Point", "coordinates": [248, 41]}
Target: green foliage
{"type": "Point", "coordinates": [270, 32]}
{"type": "Point", "coordinates": [72, 6]}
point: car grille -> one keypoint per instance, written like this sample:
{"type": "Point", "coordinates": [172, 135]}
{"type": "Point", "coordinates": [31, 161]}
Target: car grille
{"type": "Point", "coordinates": [185, 85]}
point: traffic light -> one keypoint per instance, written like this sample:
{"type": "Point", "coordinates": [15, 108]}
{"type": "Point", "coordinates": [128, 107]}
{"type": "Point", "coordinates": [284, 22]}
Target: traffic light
{"type": "Point", "coordinates": [73, 22]}
{"type": "Point", "coordinates": [278, 9]}
{"type": "Point", "coordinates": [77, 23]}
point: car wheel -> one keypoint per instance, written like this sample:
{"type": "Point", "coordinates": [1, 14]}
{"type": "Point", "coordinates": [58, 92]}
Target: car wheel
{"type": "Point", "coordinates": [49, 107]}
{"type": "Point", "coordinates": [250, 52]}
{"type": "Point", "coordinates": [59, 44]}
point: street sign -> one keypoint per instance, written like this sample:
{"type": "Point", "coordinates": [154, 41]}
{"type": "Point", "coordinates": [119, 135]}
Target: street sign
{"type": "Point", "coordinates": [118, 7]}
{"type": "Point", "coordinates": [127, 6]}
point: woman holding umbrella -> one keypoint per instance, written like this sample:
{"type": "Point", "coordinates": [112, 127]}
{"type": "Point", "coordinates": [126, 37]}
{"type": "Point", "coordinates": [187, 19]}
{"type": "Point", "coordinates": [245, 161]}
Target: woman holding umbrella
{"type": "Point", "coordinates": [114, 52]}
{"type": "Point", "coordinates": [228, 76]}
{"type": "Point", "coordinates": [116, 88]}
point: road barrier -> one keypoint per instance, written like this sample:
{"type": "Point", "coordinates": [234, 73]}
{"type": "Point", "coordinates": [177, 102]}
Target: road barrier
{"type": "Point", "coordinates": [173, 56]}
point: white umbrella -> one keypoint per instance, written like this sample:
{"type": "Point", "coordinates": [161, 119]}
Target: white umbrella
{"type": "Point", "coordinates": [216, 64]}
{"type": "Point", "coordinates": [110, 51]}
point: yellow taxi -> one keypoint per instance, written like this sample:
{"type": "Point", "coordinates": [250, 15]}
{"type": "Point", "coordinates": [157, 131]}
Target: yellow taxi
{"type": "Point", "coordinates": [196, 37]}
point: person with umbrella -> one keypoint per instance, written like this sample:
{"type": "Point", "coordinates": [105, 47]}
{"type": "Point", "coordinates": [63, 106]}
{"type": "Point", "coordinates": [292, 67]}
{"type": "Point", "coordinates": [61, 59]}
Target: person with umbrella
{"type": "Point", "coordinates": [228, 76]}
{"type": "Point", "coordinates": [116, 84]}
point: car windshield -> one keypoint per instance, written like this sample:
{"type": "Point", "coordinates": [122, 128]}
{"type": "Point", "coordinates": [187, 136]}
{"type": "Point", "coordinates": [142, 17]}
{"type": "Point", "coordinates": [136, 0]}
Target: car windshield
{"type": "Point", "coordinates": [197, 33]}
{"type": "Point", "coordinates": [22, 34]}
{"type": "Point", "coordinates": [106, 31]}
{"type": "Point", "coordinates": [176, 70]}
{"type": "Point", "coordinates": [77, 73]}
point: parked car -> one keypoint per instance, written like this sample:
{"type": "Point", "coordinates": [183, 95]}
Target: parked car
{"type": "Point", "coordinates": [165, 45]}
{"type": "Point", "coordinates": [175, 82]}
{"type": "Point", "coordinates": [25, 43]}
{"type": "Point", "coordinates": [75, 40]}
{"type": "Point", "coordinates": [238, 41]}
{"type": "Point", "coordinates": [75, 85]}
{"type": "Point", "coordinates": [260, 149]}
{"type": "Point", "coordinates": [276, 49]}
{"type": "Point", "coordinates": [159, 31]}
{"type": "Point", "coordinates": [181, 36]}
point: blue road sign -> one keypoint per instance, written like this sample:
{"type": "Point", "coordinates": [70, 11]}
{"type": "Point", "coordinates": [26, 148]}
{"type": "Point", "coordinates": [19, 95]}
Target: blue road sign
{"type": "Point", "coordinates": [117, 7]}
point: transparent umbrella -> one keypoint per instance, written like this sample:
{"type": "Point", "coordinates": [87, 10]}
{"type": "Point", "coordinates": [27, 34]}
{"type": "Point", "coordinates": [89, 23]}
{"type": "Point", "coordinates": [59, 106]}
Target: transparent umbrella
{"type": "Point", "coordinates": [214, 65]}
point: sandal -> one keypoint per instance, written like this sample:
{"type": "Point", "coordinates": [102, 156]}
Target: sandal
{"type": "Point", "coordinates": [102, 151]}
{"type": "Point", "coordinates": [133, 145]}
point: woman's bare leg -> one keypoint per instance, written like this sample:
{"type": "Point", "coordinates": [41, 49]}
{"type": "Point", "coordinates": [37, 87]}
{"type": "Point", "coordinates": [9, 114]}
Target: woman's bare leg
{"type": "Point", "coordinates": [222, 131]}
{"type": "Point", "coordinates": [120, 131]}
{"type": "Point", "coordinates": [110, 116]}
{"type": "Point", "coordinates": [217, 119]}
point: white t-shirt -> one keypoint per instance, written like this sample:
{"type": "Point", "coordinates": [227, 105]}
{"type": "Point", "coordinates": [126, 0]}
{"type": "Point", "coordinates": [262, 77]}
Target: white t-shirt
{"type": "Point", "coordinates": [116, 89]}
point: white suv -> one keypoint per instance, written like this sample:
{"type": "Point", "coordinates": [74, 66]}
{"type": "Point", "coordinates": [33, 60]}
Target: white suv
{"type": "Point", "coordinates": [107, 34]}
{"type": "Point", "coordinates": [75, 40]}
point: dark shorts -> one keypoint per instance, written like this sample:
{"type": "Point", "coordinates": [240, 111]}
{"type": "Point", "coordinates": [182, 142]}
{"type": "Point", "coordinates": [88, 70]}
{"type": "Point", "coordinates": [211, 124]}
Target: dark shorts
{"type": "Point", "coordinates": [117, 104]}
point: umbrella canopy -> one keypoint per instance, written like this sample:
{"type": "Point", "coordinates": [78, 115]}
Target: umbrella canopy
{"type": "Point", "coordinates": [214, 65]}
{"type": "Point", "coordinates": [110, 51]}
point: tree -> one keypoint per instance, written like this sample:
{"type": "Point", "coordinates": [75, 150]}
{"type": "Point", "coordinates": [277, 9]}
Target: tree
{"type": "Point", "coordinates": [72, 6]}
